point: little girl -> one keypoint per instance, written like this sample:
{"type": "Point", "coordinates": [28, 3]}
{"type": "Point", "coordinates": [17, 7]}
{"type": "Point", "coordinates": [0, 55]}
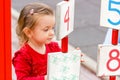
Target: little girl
{"type": "Point", "coordinates": [35, 31]}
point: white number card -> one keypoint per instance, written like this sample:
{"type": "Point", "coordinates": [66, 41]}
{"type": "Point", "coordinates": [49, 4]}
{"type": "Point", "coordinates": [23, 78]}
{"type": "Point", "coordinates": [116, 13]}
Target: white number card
{"type": "Point", "coordinates": [64, 18]}
{"type": "Point", "coordinates": [64, 66]}
{"type": "Point", "coordinates": [110, 14]}
{"type": "Point", "coordinates": [108, 60]}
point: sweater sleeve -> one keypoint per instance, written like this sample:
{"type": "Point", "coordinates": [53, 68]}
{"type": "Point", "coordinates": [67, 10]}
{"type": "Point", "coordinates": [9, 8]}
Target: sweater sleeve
{"type": "Point", "coordinates": [23, 69]}
{"type": "Point", "coordinates": [54, 47]}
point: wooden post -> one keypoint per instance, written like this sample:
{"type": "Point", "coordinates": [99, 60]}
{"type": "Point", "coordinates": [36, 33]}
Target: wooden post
{"type": "Point", "coordinates": [64, 42]}
{"type": "Point", "coordinates": [112, 77]}
{"type": "Point", "coordinates": [114, 37]}
{"type": "Point", "coordinates": [7, 37]}
{"type": "Point", "coordinates": [5, 40]}
{"type": "Point", "coordinates": [114, 42]}
{"type": "Point", "coordinates": [2, 75]}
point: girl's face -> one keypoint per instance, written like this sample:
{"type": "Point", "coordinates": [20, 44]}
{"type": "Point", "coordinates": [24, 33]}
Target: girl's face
{"type": "Point", "coordinates": [43, 31]}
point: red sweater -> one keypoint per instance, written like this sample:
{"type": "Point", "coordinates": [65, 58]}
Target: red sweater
{"type": "Point", "coordinates": [31, 65]}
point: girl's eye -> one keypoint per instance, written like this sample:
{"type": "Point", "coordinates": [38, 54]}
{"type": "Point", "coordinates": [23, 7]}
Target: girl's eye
{"type": "Point", "coordinates": [46, 29]}
{"type": "Point", "coordinates": [53, 28]}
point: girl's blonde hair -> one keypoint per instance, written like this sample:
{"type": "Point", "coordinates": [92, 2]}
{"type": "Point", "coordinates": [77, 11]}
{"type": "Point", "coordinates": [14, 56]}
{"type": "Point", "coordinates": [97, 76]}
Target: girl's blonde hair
{"type": "Point", "coordinates": [28, 18]}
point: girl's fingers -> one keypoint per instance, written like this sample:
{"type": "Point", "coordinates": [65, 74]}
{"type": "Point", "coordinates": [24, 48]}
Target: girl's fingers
{"type": "Point", "coordinates": [78, 48]}
{"type": "Point", "coordinates": [82, 60]}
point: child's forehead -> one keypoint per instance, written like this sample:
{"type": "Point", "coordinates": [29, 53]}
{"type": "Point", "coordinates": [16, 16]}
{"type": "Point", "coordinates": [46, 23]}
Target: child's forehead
{"type": "Point", "coordinates": [46, 20]}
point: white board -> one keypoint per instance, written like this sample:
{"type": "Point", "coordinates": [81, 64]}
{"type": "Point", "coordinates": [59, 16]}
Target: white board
{"type": "Point", "coordinates": [110, 14]}
{"type": "Point", "coordinates": [64, 18]}
{"type": "Point", "coordinates": [108, 60]}
{"type": "Point", "coordinates": [64, 66]}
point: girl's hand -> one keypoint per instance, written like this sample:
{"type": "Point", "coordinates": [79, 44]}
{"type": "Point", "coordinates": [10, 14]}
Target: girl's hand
{"type": "Point", "coordinates": [82, 60]}
{"type": "Point", "coordinates": [46, 77]}
{"type": "Point", "coordinates": [81, 54]}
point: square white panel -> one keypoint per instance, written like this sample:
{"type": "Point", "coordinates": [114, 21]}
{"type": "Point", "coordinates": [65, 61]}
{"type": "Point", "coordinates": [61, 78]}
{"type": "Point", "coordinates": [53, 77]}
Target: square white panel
{"type": "Point", "coordinates": [64, 18]}
{"type": "Point", "coordinates": [64, 66]}
{"type": "Point", "coordinates": [108, 60]}
{"type": "Point", "coordinates": [110, 14]}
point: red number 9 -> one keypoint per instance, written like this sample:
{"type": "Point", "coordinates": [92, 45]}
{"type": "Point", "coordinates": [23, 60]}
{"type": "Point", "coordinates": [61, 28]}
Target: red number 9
{"type": "Point", "coordinates": [113, 58]}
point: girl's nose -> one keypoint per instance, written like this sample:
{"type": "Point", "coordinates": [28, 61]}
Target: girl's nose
{"type": "Point", "coordinates": [52, 32]}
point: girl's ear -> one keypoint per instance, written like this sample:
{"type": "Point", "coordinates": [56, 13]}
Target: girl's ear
{"type": "Point", "coordinates": [27, 32]}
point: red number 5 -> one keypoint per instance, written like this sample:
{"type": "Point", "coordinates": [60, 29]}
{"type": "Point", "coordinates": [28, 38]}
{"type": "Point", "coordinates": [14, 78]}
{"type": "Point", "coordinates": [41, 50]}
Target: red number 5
{"type": "Point", "coordinates": [116, 58]}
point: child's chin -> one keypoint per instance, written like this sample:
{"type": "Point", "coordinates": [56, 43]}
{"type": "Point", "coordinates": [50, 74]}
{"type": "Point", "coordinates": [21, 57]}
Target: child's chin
{"type": "Point", "coordinates": [48, 42]}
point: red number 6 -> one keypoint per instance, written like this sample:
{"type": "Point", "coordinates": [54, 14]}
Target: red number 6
{"type": "Point", "coordinates": [113, 58]}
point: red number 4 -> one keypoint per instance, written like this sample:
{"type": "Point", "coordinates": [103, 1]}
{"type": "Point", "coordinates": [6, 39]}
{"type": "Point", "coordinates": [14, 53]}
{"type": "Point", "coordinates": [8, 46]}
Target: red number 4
{"type": "Point", "coordinates": [67, 18]}
{"type": "Point", "coordinates": [115, 58]}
